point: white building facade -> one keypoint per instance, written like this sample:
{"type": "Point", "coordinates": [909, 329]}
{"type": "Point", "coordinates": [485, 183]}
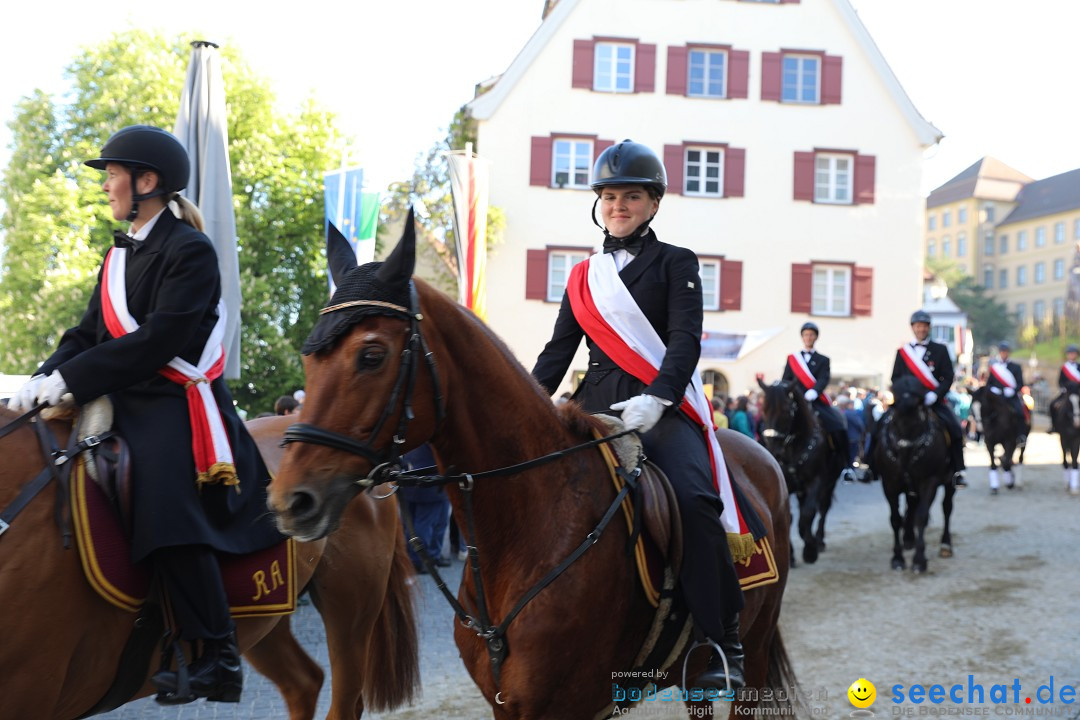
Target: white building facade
{"type": "Point", "coordinates": [794, 160]}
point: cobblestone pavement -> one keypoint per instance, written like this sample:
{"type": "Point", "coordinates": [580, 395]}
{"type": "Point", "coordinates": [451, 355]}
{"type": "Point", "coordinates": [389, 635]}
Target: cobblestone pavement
{"type": "Point", "coordinates": [1003, 608]}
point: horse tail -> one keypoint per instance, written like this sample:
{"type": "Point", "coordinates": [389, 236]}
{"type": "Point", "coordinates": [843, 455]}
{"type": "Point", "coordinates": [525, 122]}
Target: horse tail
{"type": "Point", "coordinates": [780, 677]}
{"type": "Point", "coordinates": [393, 659]}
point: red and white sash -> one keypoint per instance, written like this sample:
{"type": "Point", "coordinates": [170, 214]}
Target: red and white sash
{"type": "Point", "coordinates": [918, 368]}
{"type": "Point", "coordinates": [210, 442]}
{"type": "Point", "coordinates": [1072, 372]}
{"type": "Point", "coordinates": [802, 371]}
{"type": "Point", "coordinates": [1004, 376]}
{"type": "Point", "coordinates": [610, 316]}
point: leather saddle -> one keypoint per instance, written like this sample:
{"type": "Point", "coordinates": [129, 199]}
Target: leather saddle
{"type": "Point", "coordinates": [108, 458]}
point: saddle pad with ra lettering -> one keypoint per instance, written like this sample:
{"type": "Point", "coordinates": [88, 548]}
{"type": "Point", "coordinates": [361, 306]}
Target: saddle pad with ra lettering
{"type": "Point", "coordinates": [261, 583]}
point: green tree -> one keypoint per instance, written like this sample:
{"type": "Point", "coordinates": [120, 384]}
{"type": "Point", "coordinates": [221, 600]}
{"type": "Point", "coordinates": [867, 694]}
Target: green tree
{"type": "Point", "coordinates": [988, 319]}
{"type": "Point", "coordinates": [57, 225]}
{"type": "Point", "coordinates": [430, 184]}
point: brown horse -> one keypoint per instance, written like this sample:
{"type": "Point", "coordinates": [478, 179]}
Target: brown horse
{"type": "Point", "coordinates": [459, 388]}
{"type": "Point", "coordinates": [62, 642]}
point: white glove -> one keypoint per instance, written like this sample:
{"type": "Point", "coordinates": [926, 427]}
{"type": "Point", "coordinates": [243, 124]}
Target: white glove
{"type": "Point", "coordinates": [53, 390]}
{"type": "Point", "coordinates": [810, 395]}
{"type": "Point", "coordinates": [25, 397]}
{"type": "Point", "coordinates": [1009, 392]}
{"type": "Point", "coordinates": [996, 391]}
{"type": "Point", "coordinates": [640, 412]}
{"type": "Point", "coordinates": [930, 398]}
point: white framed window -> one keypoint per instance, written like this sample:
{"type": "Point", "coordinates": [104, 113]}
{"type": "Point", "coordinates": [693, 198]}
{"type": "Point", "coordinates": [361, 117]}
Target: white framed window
{"type": "Point", "coordinates": [961, 244]}
{"type": "Point", "coordinates": [1059, 269]}
{"type": "Point", "coordinates": [1059, 232]}
{"type": "Point", "coordinates": [946, 246]}
{"type": "Point", "coordinates": [1003, 278]}
{"type": "Point", "coordinates": [1004, 244]}
{"type": "Point", "coordinates": [710, 284]}
{"type": "Point", "coordinates": [706, 73]}
{"type": "Point", "coordinates": [931, 249]}
{"type": "Point", "coordinates": [571, 161]}
{"type": "Point", "coordinates": [988, 243]}
{"type": "Point", "coordinates": [1038, 311]}
{"type": "Point", "coordinates": [1021, 276]}
{"type": "Point", "coordinates": [961, 215]}
{"type": "Point", "coordinates": [613, 67]}
{"type": "Point", "coordinates": [560, 262]}
{"type": "Point", "coordinates": [946, 218]}
{"type": "Point", "coordinates": [1040, 273]}
{"type": "Point", "coordinates": [988, 213]}
{"type": "Point", "coordinates": [801, 79]}
{"type": "Point", "coordinates": [832, 178]}
{"type": "Point", "coordinates": [831, 290]}
{"type": "Point", "coordinates": [931, 222]}
{"type": "Point", "coordinates": [704, 172]}
{"type": "Point", "coordinates": [1021, 312]}
{"type": "Point", "coordinates": [1059, 307]}
{"type": "Point", "coordinates": [1021, 240]}
{"type": "Point", "coordinates": [988, 277]}
{"type": "Point", "coordinates": [1040, 236]}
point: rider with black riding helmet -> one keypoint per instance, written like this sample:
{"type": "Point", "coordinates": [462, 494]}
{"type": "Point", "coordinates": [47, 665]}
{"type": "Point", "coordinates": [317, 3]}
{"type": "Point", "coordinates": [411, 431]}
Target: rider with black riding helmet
{"type": "Point", "coordinates": [810, 369]}
{"type": "Point", "coordinates": [929, 362]}
{"type": "Point", "coordinates": [1006, 379]}
{"type": "Point", "coordinates": [150, 339]}
{"type": "Point", "coordinates": [1068, 382]}
{"type": "Point", "coordinates": [662, 281]}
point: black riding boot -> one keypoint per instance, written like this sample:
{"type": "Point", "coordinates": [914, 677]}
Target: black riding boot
{"type": "Point", "coordinates": [216, 675]}
{"type": "Point", "coordinates": [713, 676]}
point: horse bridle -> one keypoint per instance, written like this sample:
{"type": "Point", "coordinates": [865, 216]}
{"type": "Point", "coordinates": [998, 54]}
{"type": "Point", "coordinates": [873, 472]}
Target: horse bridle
{"type": "Point", "coordinates": [388, 459]}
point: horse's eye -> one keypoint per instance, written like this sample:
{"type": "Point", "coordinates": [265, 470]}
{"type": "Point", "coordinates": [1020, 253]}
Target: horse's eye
{"type": "Point", "coordinates": [370, 359]}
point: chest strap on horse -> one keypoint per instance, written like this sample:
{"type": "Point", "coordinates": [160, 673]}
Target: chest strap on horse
{"type": "Point", "coordinates": [494, 636]}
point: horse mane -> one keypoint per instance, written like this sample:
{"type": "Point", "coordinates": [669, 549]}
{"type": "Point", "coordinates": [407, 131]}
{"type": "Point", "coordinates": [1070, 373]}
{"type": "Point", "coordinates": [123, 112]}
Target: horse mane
{"type": "Point", "coordinates": [569, 414]}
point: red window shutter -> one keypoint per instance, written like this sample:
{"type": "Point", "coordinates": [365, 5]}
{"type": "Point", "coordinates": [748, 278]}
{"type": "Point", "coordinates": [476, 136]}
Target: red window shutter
{"type": "Point", "coordinates": [738, 77]}
{"type": "Point", "coordinates": [771, 69]}
{"type": "Point", "coordinates": [536, 274]}
{"type": "Point", "coordinates": [734, 172]}
{"type": "Point", "coordinates": [864, 179]}
{"type": "Point", "coordinates": [804, 176]}
{"type": "Point", "coordinates": [540, 165]}
{"type": "Point", "coordinates": [600, 146]}
{"type": "Point", "coordinates": [802, 285]}
{"type": "Point", "coordinates": [862, 290]}
{"type": "Point", "coordinates": [584, 53]}
{"type": "Point", "coordinates": [645, 68]}
{"type": "Point", "coordinates": [673, 163]}
{"type": "Point", "coordinates": [831, 79]}
{"type": "Point", "coordinates": [731, 284]}
{"type": "Point", "coordinates": [676, 70]}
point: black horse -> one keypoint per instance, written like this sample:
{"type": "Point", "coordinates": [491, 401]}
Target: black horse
{"type": "Point", "coordinates": [1065, 412]}
{"type": "Point", "coordinates": [1000, 427]}
{"type": "Point", "coordinates": [796, 439]}
{"type": "Point", "coordinates": [912, 457]}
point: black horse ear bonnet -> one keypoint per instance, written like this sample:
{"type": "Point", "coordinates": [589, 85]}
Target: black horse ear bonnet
{"type": "Point", "coordinates": [361, 293]}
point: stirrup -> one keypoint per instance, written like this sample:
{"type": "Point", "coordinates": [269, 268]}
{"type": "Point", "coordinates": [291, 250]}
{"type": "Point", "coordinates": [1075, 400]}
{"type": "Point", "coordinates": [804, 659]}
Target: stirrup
{"type": "Point", "coordinates": [708, 642]}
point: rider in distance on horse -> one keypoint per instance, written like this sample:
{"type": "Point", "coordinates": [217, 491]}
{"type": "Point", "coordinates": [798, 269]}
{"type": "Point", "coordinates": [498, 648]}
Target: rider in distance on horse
{"type": "Point", "coordinates": [1068, 381]}
{"type": "Point", "coordinates": [663, 280]}
{"type": "Point", "coordinates": [929, 362]}
{"type": "Point", "coordinates": [153, 318]}
{"type": "Point", "coordinates": [810, 369]}
{"type": "Point", "coordinates": [1005, 379]}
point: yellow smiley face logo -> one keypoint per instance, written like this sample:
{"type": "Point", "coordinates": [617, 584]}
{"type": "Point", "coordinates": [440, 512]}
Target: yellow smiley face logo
{"type": "Point", "coordinates": [862, 693]}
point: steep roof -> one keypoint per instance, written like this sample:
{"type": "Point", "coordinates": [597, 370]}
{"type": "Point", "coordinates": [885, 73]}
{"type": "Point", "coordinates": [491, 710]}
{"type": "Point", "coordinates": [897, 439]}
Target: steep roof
{"type": "Point", "coordinates": [987, 179]}
{"type": "Point", "coordinates": [556, 11]}
{"type": "Point", "coordinates": [1056, 194]}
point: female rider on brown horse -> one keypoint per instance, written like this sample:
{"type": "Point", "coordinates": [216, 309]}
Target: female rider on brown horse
{"type": "Point", "coordinates": [663, 281]}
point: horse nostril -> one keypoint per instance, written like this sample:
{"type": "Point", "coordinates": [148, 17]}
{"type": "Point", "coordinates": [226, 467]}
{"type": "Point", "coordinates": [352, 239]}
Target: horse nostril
{"type": "Point", "coordinates": [302, 505]}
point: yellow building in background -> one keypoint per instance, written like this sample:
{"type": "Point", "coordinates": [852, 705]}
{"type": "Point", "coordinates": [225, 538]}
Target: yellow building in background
{"type": "Point", "coordinates": [1015, 235]}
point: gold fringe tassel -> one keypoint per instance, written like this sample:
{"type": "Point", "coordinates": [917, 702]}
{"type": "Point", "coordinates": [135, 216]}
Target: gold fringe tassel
{"type": "Point", "coordinates": [221, 472]}
{"type": "Point", "coordinates": [742, 546]}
